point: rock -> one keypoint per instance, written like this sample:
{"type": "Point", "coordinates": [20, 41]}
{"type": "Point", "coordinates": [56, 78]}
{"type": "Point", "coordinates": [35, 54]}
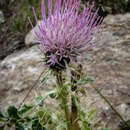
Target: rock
{"type": "Point", "coordinates": [106, 110]}
{"type": "Point", "coordinates": [10, 42]}
{"type": "Point", "coordinates": [30, 37]}
{"type": "Point", "coordinates": [109, 19]}
{"type": "Point", "coordinates": [117, 19]}
{"type": "Point", "coordinates": [123, 109]}
{"type": "Point", "coordinates": [2, 20]}
{"type": "Point", "coordinates": [18, 72]}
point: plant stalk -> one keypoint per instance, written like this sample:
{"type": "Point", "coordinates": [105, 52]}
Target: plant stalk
{"type": "Point", "coordinates": [74, 109]}
{"type": "Point", "coordinates": [63, 96]}
{"type": "Point", "coordinates": [74, 115]}
{"type": "Point", "coordinates": [106, 100]}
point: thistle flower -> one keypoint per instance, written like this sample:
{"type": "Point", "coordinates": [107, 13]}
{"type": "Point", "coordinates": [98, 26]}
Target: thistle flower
{"type": "Point", "coordinates": [66, 33]}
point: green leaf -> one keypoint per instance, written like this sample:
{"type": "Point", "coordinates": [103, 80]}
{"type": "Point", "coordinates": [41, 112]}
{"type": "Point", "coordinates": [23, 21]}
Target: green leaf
{"type": "Point", "coordinates": [12, 121]}
{"type": "Point", "coordinates": [37, 126]}
{"type": "Point", "coordinates": [53, 95]}
{"type": "Point", "coordinates": [45, 116]}
{"type": "Point", "coordinates": [43, 81]}
{"type": "Point", "coordinates": [40, 99]}
{"type": "Point", "coordinates": [60, 127]}
{"type": "Point", "coordinates": [19, 127]}
{"type": "Point", "coordinates": [85, 81]}
{"type": "Point", "coordinates": [81, 115]}
{"type": "Point", "coordinates": [86, 125]}
{"type": "Point", "coordinates": [91, 113]}
{"type": "Point", "coordinates": [13, 112]}
{"type": "Point", "coordinates": [25, 110]}
{"type": "Point", "coordinates": [2, 117]}
{"type": "Point", "coordinates": [22, 126]}
{"type": "Point", "coordinates": [54, 117]}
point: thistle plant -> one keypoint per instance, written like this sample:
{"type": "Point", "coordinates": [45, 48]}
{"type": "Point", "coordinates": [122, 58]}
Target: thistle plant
{"type": "Point", "coordinates": [66, 35]}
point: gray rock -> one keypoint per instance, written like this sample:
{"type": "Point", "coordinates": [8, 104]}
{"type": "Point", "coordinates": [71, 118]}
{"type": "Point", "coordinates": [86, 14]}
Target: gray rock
{"type": "Point", "coordinates": [18, 72]}
{"type": "Point", "coordinates": [30, 38]}
{"type": "Point", "coordinates": [117, 19]}
{"type": "Point", "coordinates": [123, 108]}
{"type": "Point", "coordinates": [9, 43]}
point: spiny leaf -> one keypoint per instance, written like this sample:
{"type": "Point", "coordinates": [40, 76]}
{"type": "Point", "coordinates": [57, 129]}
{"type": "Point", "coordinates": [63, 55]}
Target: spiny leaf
{"type": "Point", "coordinates": [86, 125]}
{"type": "Point", "coordinates": [13, 112]}
{"type": "Point", "coordinates": [22, 126]}
{"type": "Point", "coordinates": [45, 116]}
{"type": "Point", "coordinates": [60, 127]}
{"type": "Point", "coordinates": [53, 95]}
{"type": "Point", "coordinates": [43, 81]}
{"type": "Point", "coordinates": [91, 113]}
{"type": "Point", "coordinates": [40, 99]}
{"type": "Point", "coordinates": [25, 110]}
{"type": "Point", "coordinates": [37, 126]}
{"type": "Point", "coordinates": [2, 117]}
{"type": "Point", "coordinates": [85, 80]}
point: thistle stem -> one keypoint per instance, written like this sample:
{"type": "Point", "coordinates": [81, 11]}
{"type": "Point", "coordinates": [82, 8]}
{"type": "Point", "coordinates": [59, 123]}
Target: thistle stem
{"type": "Point", "coordinates": [63, 96]}
{"type": "Point", "coordinates": [74, 115]}
{"type": "Point", "coordinates": [74, 109]}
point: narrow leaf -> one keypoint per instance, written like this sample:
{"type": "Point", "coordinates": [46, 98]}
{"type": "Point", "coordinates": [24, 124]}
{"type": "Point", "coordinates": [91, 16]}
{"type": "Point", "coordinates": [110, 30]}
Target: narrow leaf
{"type": "Point", "coordinates": [43, 81]}
{"type": "Point", "coordinates": [25, 110]}
{"type": "Point", "coordinates": [85, 81]}
{"type": "Point", "coordinates": [40, 99]}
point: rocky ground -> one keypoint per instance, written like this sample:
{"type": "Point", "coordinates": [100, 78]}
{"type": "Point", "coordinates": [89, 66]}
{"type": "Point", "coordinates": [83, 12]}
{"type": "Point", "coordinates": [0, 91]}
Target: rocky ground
{"type": "Point", "coordinates": [108, 64]}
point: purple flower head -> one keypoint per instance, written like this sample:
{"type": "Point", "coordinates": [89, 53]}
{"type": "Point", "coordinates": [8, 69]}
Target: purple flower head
{"type": "Point", "coordinates": [66, 34]}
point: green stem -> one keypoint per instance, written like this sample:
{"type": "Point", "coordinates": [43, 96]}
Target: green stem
{"type": "Point", "coordinates": [117, 113]}
{"type": "Point", "coordinates": [74, 114]}
{"type": "Point", "coordinates": [63, 95]}
{"type": "Point", "coordinates": [74, 109]}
